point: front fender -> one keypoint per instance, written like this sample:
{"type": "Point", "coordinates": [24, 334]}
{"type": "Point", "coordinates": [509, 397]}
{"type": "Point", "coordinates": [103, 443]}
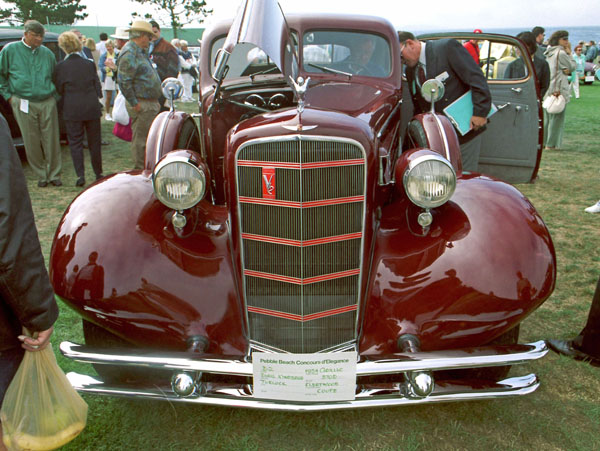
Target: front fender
{"type": "Point", "coordinates": [486, 262]}
{"type": "Point", "coordinates": [171, 130]}
{"type": "Point", "coordinates": [117, 260]}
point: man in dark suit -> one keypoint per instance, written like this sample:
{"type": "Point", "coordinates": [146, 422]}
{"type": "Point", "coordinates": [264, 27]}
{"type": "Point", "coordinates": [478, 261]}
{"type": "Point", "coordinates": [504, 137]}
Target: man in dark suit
{"type": "Point", "coordinates": [448, 61]}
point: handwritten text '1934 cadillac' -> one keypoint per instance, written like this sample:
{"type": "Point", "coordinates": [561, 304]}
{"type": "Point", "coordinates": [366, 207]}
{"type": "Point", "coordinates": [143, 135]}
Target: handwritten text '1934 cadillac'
{"type": "Point", "coordinates": [295, 251]}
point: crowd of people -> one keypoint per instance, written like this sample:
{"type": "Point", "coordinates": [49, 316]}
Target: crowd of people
{"type": "Point", "coordinates": [135, 60]}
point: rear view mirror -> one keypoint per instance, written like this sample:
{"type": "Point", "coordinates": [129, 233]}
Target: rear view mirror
{"type": "Point", "coordinates": [432, 90]}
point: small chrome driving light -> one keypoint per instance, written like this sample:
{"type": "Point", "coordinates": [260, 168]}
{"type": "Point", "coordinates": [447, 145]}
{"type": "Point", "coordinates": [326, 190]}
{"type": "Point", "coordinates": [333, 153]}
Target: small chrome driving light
{"type": "Point", "coordinates": [429, 181]}
{"type": "Point", "coordinates": [178, 182]}
{"type": "Point", "coordinates": [184, 384]}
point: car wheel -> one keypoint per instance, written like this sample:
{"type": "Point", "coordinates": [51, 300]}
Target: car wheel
{"type": "Point", "coordinates": [494, 373]}
{"type": "Point", "coordinates": [99, 338]}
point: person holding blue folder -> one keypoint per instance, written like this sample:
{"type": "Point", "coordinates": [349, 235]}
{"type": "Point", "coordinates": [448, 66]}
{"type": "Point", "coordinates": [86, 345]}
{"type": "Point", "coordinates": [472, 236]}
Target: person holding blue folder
{"type": "Point", "coordinates": [449, 62]}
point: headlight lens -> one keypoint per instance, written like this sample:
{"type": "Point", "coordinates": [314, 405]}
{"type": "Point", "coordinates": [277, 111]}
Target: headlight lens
{"type": "Point", "coordinates": [429, 181]}
{"type": "Point", "coordinates": [178, 183]}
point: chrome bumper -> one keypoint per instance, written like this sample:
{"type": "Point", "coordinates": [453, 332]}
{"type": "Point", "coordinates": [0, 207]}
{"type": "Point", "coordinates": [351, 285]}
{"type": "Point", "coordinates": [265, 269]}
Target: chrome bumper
{"type": "Point", "coordinates": [367, 395]}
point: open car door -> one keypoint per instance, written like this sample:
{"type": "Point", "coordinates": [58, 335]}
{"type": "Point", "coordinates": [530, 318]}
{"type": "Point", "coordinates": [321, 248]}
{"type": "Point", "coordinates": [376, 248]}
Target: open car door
{"type": "Point", "coordinates": [511, 147]}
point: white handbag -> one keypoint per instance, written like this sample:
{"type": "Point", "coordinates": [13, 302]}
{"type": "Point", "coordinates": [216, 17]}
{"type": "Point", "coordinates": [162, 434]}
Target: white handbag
{"type": "Point", "coordinates": [554, 103]}
{"type": "Point", "coordinates": [119, 112]}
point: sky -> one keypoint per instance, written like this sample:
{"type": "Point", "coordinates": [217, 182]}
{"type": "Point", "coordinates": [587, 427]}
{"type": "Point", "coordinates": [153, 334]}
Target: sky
{"type": "Point", "coordinates": [408, 15]}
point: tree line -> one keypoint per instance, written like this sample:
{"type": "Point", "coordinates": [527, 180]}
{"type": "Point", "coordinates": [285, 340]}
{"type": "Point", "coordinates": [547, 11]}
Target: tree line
{"type": "Point", "coordinates": [173, 13]}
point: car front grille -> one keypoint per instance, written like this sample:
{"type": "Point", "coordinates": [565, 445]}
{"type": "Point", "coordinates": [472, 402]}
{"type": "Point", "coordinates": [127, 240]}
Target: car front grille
{"type": "Point", "coordinates": [301, 210]}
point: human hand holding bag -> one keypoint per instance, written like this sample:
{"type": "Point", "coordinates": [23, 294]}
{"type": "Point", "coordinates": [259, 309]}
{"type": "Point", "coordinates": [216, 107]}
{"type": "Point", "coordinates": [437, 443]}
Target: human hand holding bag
{"type": "Point", "coordinates": [41, 410]}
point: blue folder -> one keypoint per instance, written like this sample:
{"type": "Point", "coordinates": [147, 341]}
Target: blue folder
{"type": "Point", "coordinates": [460, 112]}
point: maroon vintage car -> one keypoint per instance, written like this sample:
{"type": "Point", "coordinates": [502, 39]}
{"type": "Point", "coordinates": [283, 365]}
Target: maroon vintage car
{"type": "Point", "coordinates": [310, 245]}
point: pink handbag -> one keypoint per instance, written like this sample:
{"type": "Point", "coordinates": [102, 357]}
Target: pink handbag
{"type": "Point", "coordinates": [123, 131]}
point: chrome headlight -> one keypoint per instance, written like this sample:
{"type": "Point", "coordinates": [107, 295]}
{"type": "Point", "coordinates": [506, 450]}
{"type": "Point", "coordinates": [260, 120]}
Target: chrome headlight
{"type": "Point", "coordinates": [429, 181]}
{"type": "Point", "coordinates": [178, 182]}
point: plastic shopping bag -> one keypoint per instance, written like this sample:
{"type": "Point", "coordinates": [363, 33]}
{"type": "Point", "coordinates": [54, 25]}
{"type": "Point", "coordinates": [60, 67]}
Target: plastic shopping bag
{"type": "Point", "coordinates": [41, 410]}
{"type": "Point", "coordinates": [119, 112]}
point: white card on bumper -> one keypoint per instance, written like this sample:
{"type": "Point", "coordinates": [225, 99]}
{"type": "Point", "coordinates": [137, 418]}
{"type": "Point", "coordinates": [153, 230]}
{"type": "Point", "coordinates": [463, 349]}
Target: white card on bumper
{"type": "Point", "coordinates": [305, 377]}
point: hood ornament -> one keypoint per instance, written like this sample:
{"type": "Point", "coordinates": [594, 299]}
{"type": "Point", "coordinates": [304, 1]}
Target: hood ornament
{"type": "Point", "coordinates": [300, 86]}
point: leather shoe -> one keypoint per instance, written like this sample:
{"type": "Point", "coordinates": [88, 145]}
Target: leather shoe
{"type": "Point", "coordinates": [42, 184]}
{"type": "Point", "coordinates": [80, 181]}
{"type": "Point", "coordinates": [565, 347]}
{"type": "Point", "coordinates": [56, 182]}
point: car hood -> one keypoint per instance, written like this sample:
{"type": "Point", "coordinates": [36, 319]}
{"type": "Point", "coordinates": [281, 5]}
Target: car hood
{"type": "Point", "coordinates": [353, 98]}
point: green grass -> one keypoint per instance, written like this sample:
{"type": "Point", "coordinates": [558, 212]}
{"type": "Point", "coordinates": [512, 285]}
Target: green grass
{"type": "Point", "coordinates": [563, 414]}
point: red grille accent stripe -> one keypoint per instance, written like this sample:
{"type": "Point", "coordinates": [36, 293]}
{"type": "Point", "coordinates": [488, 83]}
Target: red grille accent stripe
{"type": "Point", "coordinates": [337, 275]}
{"type": "Point", "coordinates": [264, 311]}
{"type": "Point", "coordinates": [298, 281]}
{"type": "Point", "coordinates": [333, 239]}
{"type": "Point", "coordinates": [270, 164]}
{"type": "Point", "coordinates": [275, 202]}
{"type": "Point", "coordinates": [265, 275]}
{"type": "Point", "coordinates": [286, 165]}
{"type": "Point", "coordinates": [331, 164]}
{"type": "Point", "coordinates": [289, 203]}
{"type": "Point", "coordinates": [271, 239]}
{"type": "Point", "coordinates": [337, 311]}
{"type": "Point", "coordinates": [298, 243]}
{"type": "Point", "coordinates": [339, 200]}
{"type": "Point", "coordinates": [313, 316]}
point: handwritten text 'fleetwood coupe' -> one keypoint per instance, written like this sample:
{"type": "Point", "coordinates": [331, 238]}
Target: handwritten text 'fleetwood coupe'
{"type": "Point", "coordinates": [294, 251]}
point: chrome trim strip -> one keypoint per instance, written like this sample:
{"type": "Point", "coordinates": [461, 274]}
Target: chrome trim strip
{"type": "Point", "coordinates": [367, 397]}
{"type": "Point", "coordinates": [396, 363]}
{"type": "Point", "coordinates": [441, 127]}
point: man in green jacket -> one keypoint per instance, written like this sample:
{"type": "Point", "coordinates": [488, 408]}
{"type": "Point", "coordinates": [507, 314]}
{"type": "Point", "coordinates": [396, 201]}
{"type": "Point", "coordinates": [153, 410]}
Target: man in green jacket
{"type": "Point", "coordinates": [26, 70]}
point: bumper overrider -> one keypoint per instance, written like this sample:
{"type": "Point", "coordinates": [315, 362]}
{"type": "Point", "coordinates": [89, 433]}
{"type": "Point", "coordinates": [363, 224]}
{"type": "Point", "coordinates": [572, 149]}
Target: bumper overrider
{"type": "Point", "coordinates": [413, 370]}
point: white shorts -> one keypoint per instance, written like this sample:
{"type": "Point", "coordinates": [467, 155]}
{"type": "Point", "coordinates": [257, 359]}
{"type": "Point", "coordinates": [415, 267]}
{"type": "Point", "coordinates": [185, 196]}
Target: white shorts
{"type": "Point", "coordinates": [109, 84]}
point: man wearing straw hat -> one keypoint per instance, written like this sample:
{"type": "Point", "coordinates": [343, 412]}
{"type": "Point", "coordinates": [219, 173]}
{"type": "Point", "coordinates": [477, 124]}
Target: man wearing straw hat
{"type": "Point", "coordinates": [121, 37]}
{"type": "Point", "coordinates": [140, 85]}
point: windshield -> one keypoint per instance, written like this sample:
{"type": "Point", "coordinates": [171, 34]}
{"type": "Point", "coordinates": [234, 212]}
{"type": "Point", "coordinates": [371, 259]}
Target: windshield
{"type": "Point", "coordinates": [245, 60]}
{"type": "Point", "coordinates": [323, 51]}
{"type": "Point", "coordinates": [353, 53]}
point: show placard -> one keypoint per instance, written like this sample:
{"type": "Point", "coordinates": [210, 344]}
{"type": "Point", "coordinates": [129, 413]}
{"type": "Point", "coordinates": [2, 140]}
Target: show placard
{"type": "Point", "coordinates": [305, 377]}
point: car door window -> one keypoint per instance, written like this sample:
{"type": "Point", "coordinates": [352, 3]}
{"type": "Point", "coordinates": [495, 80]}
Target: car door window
{"type": "Point", "coordinates": [502, 61]}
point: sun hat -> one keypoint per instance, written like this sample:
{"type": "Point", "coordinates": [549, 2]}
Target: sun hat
{"type": "Point", "coordinates": [120, 33]}
{"type": "Point", "coordinates": [141, 25]}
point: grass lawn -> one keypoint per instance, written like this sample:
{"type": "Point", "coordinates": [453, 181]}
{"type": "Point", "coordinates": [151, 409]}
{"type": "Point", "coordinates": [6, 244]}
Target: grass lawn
{"type": "Point", "coordinates": [563, 414]}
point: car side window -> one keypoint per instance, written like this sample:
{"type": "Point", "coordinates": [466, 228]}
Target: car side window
{"type": "Point", "coordinates": [502, 61]}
